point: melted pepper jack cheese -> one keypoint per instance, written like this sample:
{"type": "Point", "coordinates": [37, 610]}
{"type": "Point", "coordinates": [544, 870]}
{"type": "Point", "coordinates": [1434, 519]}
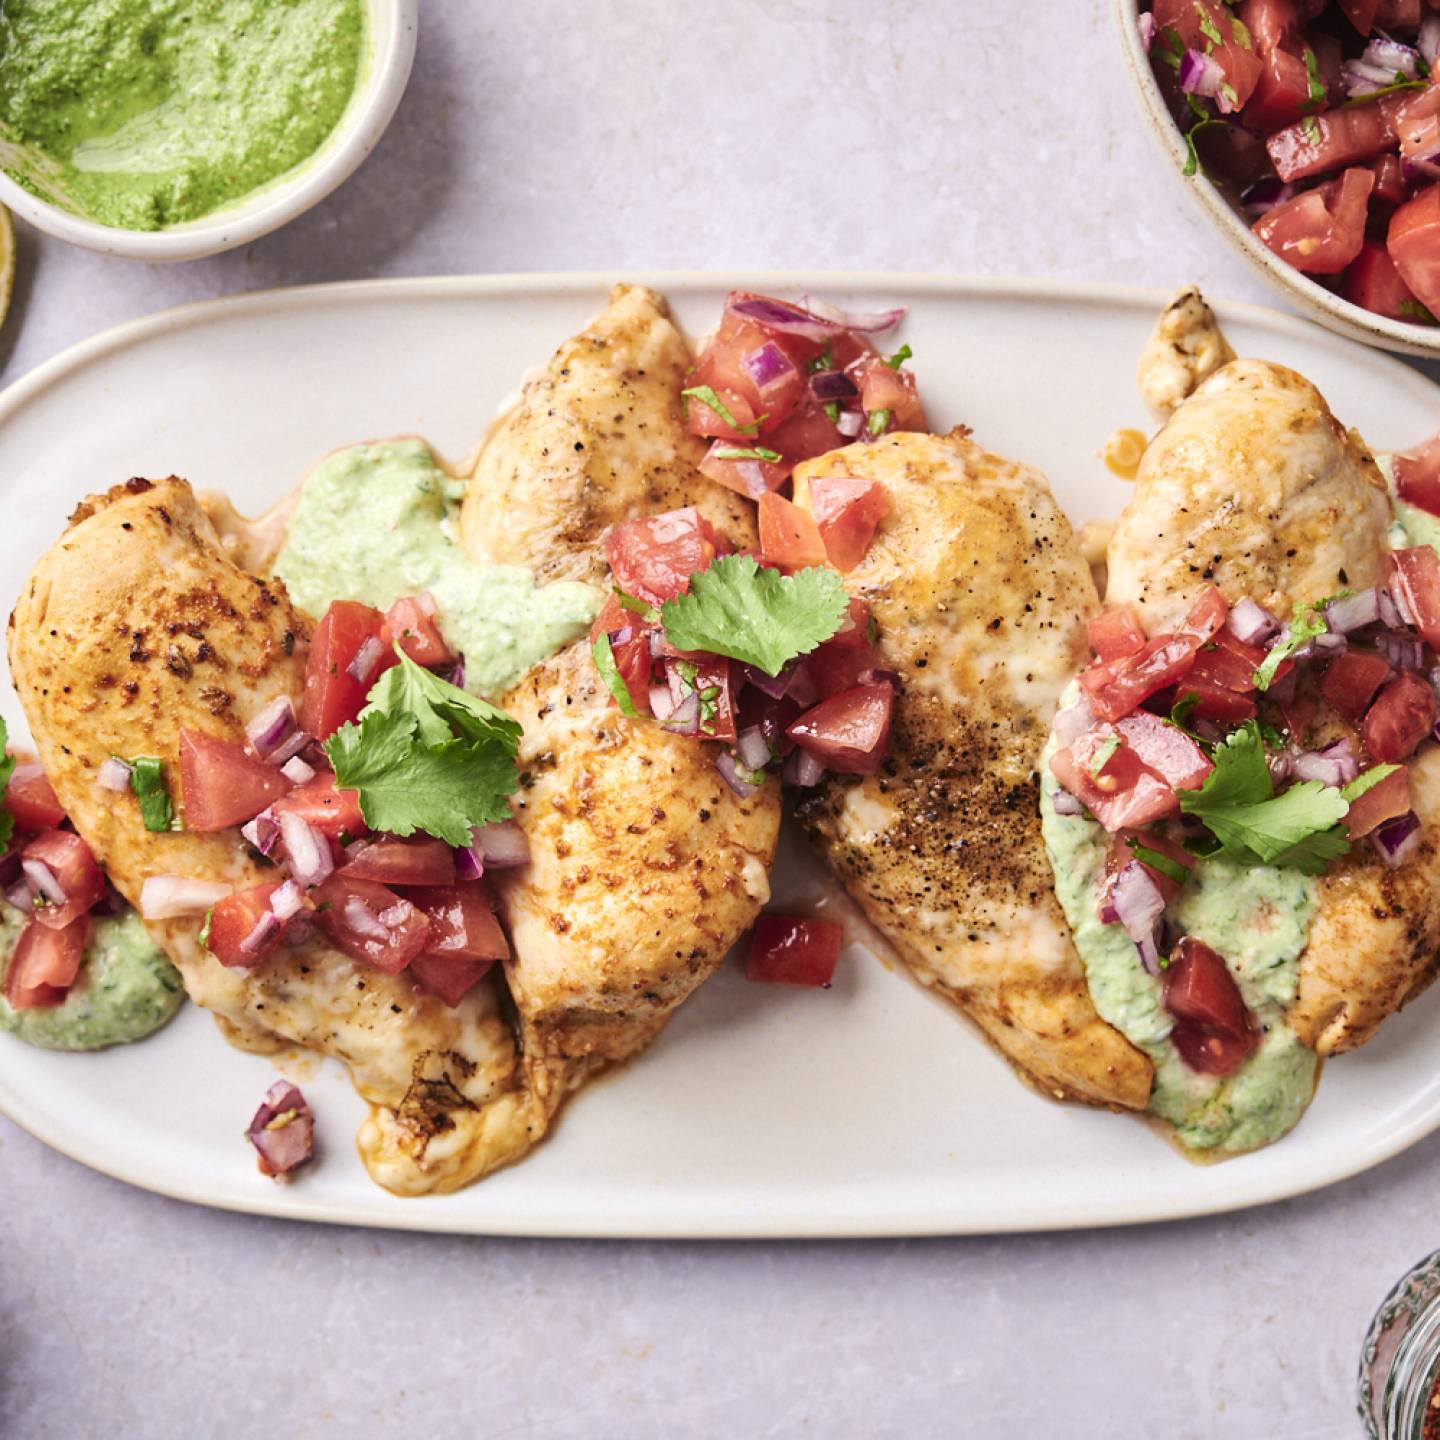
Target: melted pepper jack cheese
{"type": "Point", "coordinates": [1258, 918]}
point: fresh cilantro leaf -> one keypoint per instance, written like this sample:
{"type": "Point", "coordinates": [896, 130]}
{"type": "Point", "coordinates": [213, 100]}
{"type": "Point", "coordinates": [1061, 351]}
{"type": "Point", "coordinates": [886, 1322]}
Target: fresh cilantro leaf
{"type": "Point", "coordinates": [7, 767]}
{"type": "Point", "coordinates": [1180, 711]}
{"type": "Point", "coordinates": [1209, 31]}
{"type": "Point", "coordinates": [636, 606]}
{"type": "Point", "coordinates": [822, 361]}
{"type": "Point", "coordinates": [205, 928]}
{"type": "Point", "coordinates": [1297, 830]}
{"type": "Point", "coordinates": [879, 421]}
{"type": "Point", "coordinates": [707, 396]}
{"type": "Point", "coordinates": [407, 784]}
{"type": "Point", "coordinates": [1314, 83]}
{"type": "Point", "coordinates": [903, 354]}
{"type": "Point", "coordinates": [1241, 32]}
{"type": "Point", "coordinates": [709, 708]}
{"type": "Point", "coordinates": [604, 658]}
{"type": "Point", "coordinates": [1306, 623]}
{"type": "Point", "coordinates": [1101, 757]}
{"type": "Point", "coordinates": [1174, 50]}
{"type": "Point", "coordinates": [1416, 311]}
{"type": "Point", "coordinates": [441, 710]}
{"type": "Point", "coordinates": [1156, 860]}
{"type": "Point", "coordinates": [1231, 94]}
{"type": "Point", "coordinates": [147, 780]}
{"type": "Point", "coordinates": [1401, 83]}
{"type": "Point", "coordinates": [755, 452]}
{"type": "Point", "coordinates": [1367, 780]}
{"type": "Point", "coordinates": [832, 409]}
{"type": "Point", "coordinates": [759, 616]}
{"type": "Point", "coordinates": [689, 672]}
{"type": "Point", "coordinates": [1204, 121]}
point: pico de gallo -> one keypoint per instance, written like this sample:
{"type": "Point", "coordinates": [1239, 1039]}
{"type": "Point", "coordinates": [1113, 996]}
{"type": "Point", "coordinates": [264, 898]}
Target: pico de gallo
{"type": "Point", "coordinates": [1323, 119]}
{"type": "Point", "coordinates": [1252, 742]}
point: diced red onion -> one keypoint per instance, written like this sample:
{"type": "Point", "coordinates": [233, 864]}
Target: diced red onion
{"type": "Point", "coordinates": [1329, 644]}
{"type": "Point", "coordinates": [10, 870]}
{"type": "Point", "coordinates": [163, 897]}
{"type": "Point", "coordinates": [729, 769]}
{"type": "Point", "coordinates": [685, 718]}
{"type": "Point", "coordinates": [753, 749]}
{"type": "Point", "coordinates": [1137, 901]}
{"type": "Point", "coordinates": [1201, 74]}
{"type": "Point", "coordinates": [287, 901]}
{"type": "Point", "coordinates": [1149, 955]}
{"type": "Point", "coordinates": [1072, 722]}
{"type": "Point", "coordinates": [1146, 21]}
{"type": "Point", "coordinates": [1062, 802]}
{"type": "Point", "coordinates": [363, 665]}
{"type": "Point", "coordinates": [1392, 56]}
{"type": "Point", "coordinates": [456, 677]}
{"type": "Point", "coordinates": [299, 743]}
{"type": "Point", "coordinates": [272, 726]}
{"type": "Point", "coordinates": [306, 849]}
{"type": "Point", "coordinates": [265, 929]}
{"type": "Point", "coordinates": [113, 774]}
{"type": "Point", "coordinates": [774, 686]}
{"type": "Point", "coordinates": [1398, 611]}
{"type": "Point", "coordinates": [1428, 41]}
{"type": "Point", "coordinates": [1264, 195]}
{"type": "Point", "coordinates": [298, 931]}
{"type": "Point", "coordinates": [867, 321]}
{"type": "Point", "coordinates": [803, 770]}
{"type": "Point", "coordinates": [1360, 78]}
{"type": "Point", "coordinates": [362, 919]}
{"type": "Point", "coordinates": [1281, 764]}
{"type": "Point", "coordinates": [282, 1130]}
{"type": "Point", "coordinates": [297, 771]}
{"type": "Point", "coordinates": [1354, 611]}
{"type": "Point", "coordinates": [1334, 765]}
{"type": "Point", "coordinates": [850, 423]}
{"type": "Point", "coordinates": [812, 318]}
{"type": "Point", "coordinates": [1397, 839]}
{"type": "Point", "coordinates": [503, 844]}
{"type": "Point", "coordinates": [20, 895]}
{"type": "Point", "coordinates": [43, 880]}
{"type": "Point", "coordinates": [469, 862]}
{"type": "Point", "coordinates": [827, 385]}
{"type": "Point", "coordinates": [1402, 648]}
{"type": "Point", "coordinates": [1251, 622]}
{"type": "Point", "coordinates": [662, 704]}
{"type": "Point", "coordinates": [767, 365]}
{"type": "Point", "coordinates": [262, 832]}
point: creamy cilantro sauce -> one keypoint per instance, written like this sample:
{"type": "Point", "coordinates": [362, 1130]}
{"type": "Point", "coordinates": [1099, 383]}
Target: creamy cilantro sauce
{"type": "Point", "coordinates": [376, 522]}
{"type": "Point", "coordinates": [155, 112]}
{"type": "Point", "coordinates": [1257, 918]}
{"type": "Point", "coordinates": [126, 989]}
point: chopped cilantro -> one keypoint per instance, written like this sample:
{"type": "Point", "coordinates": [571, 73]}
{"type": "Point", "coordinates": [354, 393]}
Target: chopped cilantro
{"type": "Point", "coordinates": [1174, 50]}
{"type": "Point", "coordinates": [832, 409]}
{"type": "Point", "coordinates": [1311, 126]}
{"type": "Point", "coordinates": [205, 928]}
{"type": "Point", "coordinates": [1180, 710]}
{"type": "Point", "coordinates": [707, 396]}
{"type": "Point", "coordinates": [1367, 780]}
{"type": "Point", "coordinates": [604, 658]}
{"type": "Point", "coordinates": [7, 767]}
{"type": "Point", "coordinates": [1230, 93]}
{"type": "Point", "coordinates": [879, 422]}
{"type": "Point", "coordinates": [1400, 83]}
{"type": "Point", "coordinates": [1315, 85]}
{"type": "Point", "coordinates": [1241, 32]}
{"type": "Point", "coordinates": [903, 354]}
{"type": "Point", "coordinates": [1299, 829]}
{"type": "Point", "coordinates": [709, 708]}
{"type": "Point", "coordinates": [1204, 121]}
{"type": "Point", "coordinates": [1417, 312]}
{"type": "Point", "coordinates": [1209, 30]}
{"type": "Point", "coordinates": [755, 452]}
{"type": "Point", "coordinates": [147, 780]}
{"type": "Point", "coordinates": [737, 609]}
{"type": "Point", "coordinates": [1306, 623]}
{"type": "Point", "coordinates": [1101, 758]}
{"type": "Point", "coordinates": [688, 672]}
{"type": "Point", "coordinates": [821, 362]}
{"type": "Point", "coordinates": [636, 606]}
{"type": "Point", "coordinates": [1158, 861]}
{"type": "Point", "coordinates": [426, 755]}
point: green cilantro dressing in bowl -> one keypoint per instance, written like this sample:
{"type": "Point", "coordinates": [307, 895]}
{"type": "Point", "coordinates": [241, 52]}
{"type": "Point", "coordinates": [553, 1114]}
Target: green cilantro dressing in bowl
{"type": "Point", "coordinates": [125, 991]}
{"type": "Point", "coordinates": [1257, 917]}
{"type": "Point", "coordinates": [142, 114]}
{"type": "Point", "coordinates": [377, 522]}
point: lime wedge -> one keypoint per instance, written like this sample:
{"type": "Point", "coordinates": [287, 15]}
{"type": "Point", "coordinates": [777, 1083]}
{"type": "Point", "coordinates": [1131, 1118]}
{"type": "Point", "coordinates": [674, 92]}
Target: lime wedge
{"type": "Point", "coordinates": [7, 261]}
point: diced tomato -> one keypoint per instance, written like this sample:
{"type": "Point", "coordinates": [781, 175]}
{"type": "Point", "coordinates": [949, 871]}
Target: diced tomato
{"type": "Point", "coordinates": [1417, 476]}
{"type": "Point", "coordinates": [886, 387]}
{"type": "Point", "coordinates": [70, 861]}
{"type": "Point", "coordinates": [749, 475]}
{"type": "Point", "coordinates": [1361, 13]}
{"type": "Point", "coordinates": [45, 964]}
{"type": "Point", "coordinates": [30, 799]}
{"type": "Point", "coordinates": [1124, 794]}
{"type": "Point", "coordinates": [332, 812]}
{"type": "Point", "coordinates": [1297, 713]}
{"type": "Point", "coordinates": [654, 557]}
{"type": "Point", "coordinates": [462, 922]}
{"type": "Point", "coordinates": [234, 919]}
{"type": "Point", "coordinates": [1165, 749]}
{"type": "Point", "coordinates": [1196, 21]}
{"type": "Point", "coordinates": [1417, 574]}
{"type": "Point", "coordinates": [704, 419]}
{"type": "Point", "coordinates": [847, 512]}
{"type": "Point", "coordinates": [849, 732]}
{"type": "Point", "coordinates": [451, 979]}
{"type": "Point", "coordinates": [722, 366]}
{"type": "Point", "coordinates": [1400, 14]}
{"type": "Point", "coordinates": [1115, 633]}
{"type": "Point", "coordinates": [1331, 141]}
{"type": "Point", "coordinates": [1386, 800]}
{"type": "Point", "coordinates": [807, 433]}
{"type": "Point", "coordinates": [635, 661]}
{"type": "Point", "coordinates": [1214, 701]}
{"type": "Point", "coordinates": [1320, 231]}
{"type": "Point", "coordinates": [1415, 119]}
{"type": "Point", "coordinates": [371, 923]}
{"type": "Point", "coordinates": [410, 622]}
{"type": "Point", "coordinates": [793, 950]}
{"type": "Point", "coordinates": [1231, 663]}
{"type": "Point", "coordinates": [222, 783]}
{"type": "Point", "coordinates": [789, 536]}
{"type": "Point", "coordinates": [1351, 680]}
{"type": "Point", "coordinates": [715, 683]}
{"type": "Point", "coordinates": [1282, 92]}
{"type": "Point", "coordinates": [1402, 715]}
{"type": "Point", "coordinates": [1120, 687]}
{"type": "Point", "coordinates": [1373, 283]}
{"type": "Point", "coordinates": [391, 860]}
{"type": "Point", "coordinates": [1206, 618]}
{"type": "Point", "coordinates": [836, 666]}
{"type": "Point", "coordinates": [1414, 245]}
{"type": "Point", "coordinates": [333, 696]}
{"type": "Point", "coordinates": [772, 716]}
{"type": "Point", "coordinates": [1389, 176]}
{"type": "Point", "coordinates": [1213, 1031]}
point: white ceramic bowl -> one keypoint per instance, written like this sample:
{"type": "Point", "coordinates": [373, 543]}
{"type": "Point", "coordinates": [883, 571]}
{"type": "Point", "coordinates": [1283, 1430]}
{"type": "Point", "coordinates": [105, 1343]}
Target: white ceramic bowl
{"type": "Point", "coordinates": [1316, 301]}
{"type": "Point", "coordinates": [392, 25]}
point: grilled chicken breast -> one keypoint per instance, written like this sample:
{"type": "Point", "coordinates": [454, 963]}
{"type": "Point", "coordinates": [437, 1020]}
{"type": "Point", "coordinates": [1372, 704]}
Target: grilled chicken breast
{"type": "Point", "coordinates": [135, 625]}
{"type": "Point", "coordinates": [981, 598]}
{"type": "Point", "coordinates": [597, 437]}
{"type": "Point", "coordinates": [1256, 486]}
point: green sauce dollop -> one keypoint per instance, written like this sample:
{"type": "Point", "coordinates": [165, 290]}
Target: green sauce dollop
{"type": "Point", "coordinates": [376, 522]}
{"type": "Point", "coordinates": [156, 112]}
{"type": "Point", "coordinates": [125, 991]}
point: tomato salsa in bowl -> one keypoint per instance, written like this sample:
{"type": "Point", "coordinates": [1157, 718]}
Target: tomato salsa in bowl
{"type": "Point", "coordinates": [1310, 130]}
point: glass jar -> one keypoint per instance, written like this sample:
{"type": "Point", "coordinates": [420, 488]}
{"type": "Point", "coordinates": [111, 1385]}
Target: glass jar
{"type": "Point", "coordinates": [1400, 1362]}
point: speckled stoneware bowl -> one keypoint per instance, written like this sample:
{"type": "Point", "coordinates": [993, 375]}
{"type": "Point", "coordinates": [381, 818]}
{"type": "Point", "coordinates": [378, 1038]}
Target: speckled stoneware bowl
{"type": "Point", "coordinates": [392, 27]}
{"type": "Point", "coordinates": [1314, 300]}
